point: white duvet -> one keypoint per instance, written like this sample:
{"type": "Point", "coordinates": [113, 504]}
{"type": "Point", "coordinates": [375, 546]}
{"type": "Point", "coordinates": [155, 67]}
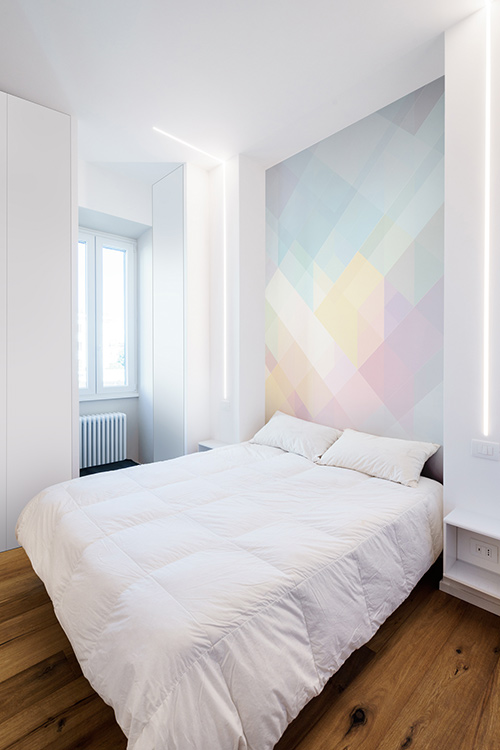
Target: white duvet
{"type": "Point", "coordinates": [209, 598]}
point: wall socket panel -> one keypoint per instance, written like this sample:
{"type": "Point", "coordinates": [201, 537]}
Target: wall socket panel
{"type": "Point", "coordinates": [479, 550]}
{"type": "Point", "coordinates": [484, 550]}
{"type": "Point", "coordinates": [486, 449]}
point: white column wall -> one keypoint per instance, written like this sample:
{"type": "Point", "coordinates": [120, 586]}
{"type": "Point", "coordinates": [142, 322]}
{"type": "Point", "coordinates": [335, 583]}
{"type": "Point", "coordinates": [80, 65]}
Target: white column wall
{"type": "Point", "coordinates": [39, 303]}
{"type": "Point", "coordinates": [3, 320]}
{"type": "Point", "coordinates": [252, 280]}
{"type": "Point", "coordinates": [224, 219]}
{"type": "Point", "coordinates": [174, 341]}
{"type": "Point", "coordinates": [168, 316]}
{"type": "Point", "coordinates": [145, 346]}
{"type": "Point", "coordinates": [197, 307]}
{"type": "Point", "coordinates": [470, 482]}
{"type": "Point", "coordinates": [75, 398]}
{"type": "Point", "coordinates": [237, 417]}
{"type": "Point", "coordinates": [231, 215]}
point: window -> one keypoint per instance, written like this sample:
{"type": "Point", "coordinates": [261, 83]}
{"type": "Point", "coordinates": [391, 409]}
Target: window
{"type": "Point", "coordinates": [106, 315]}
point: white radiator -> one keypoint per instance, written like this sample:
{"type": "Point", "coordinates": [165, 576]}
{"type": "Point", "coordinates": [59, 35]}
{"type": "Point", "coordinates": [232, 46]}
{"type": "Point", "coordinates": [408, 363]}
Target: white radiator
{"type": "Point", "coordinates": [103, 439]}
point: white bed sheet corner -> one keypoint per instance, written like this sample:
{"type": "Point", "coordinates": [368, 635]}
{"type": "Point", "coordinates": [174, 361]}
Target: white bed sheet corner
{"type": "Point", "coordinates": [209, 598]}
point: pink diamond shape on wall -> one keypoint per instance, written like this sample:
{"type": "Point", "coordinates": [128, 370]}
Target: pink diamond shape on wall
{"type": "Point", "coordinates": [357, 399]}
{"type": "Point", "coordinates": [415, 340]}
{"type": "Point", "coordinates": [298, 408]}
{"type": "Point", "coordinates": [401, 400]}
{"type": "Point", "coordinates": [333, 415]}
{"type": "Point", "coordinates": [385, 372]}
{"type": "Point", "coordinates": [397, 308]}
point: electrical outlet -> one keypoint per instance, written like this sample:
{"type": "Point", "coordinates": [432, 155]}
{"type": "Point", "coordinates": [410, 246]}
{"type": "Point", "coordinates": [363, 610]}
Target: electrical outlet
{"type": "Point", "coordinates": [491, 552]}
{"type": "Point", "coordinates": [485, 550]}
{"type": "Point", "coordinates": [478, 548]}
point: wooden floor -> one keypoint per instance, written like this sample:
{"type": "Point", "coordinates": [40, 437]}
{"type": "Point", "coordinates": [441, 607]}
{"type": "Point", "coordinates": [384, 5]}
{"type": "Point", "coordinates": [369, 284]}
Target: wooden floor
{"type": "Point", "coordinates": [45, 702]}
{"type": "Point", "coordinates": [428, 680]}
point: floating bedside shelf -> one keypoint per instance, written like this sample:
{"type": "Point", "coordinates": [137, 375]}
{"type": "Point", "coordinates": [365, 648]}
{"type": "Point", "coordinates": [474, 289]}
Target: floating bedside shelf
{"type": "Point", "coordinates": [208, 445]}
{"type": "Point", "coordinates": [467, 575]}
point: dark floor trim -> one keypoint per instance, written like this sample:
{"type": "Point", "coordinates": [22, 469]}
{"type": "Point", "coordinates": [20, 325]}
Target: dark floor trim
{"type": "Point", "coordinates": [108, 467]}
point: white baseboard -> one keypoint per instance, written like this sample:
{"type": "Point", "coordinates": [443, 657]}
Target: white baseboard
{"type": "Point", "coordinates": [461, 591]}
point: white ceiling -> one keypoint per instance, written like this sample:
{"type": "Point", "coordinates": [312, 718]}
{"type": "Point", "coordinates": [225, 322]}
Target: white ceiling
{"type": "Point", "coordinates": [265, 78]}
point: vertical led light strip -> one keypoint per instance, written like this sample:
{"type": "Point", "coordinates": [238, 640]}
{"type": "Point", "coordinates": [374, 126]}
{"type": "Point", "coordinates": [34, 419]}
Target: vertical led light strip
{"type": "Point", "coordinates": [225, 393]}
{"type": "Point", "coordinates": [225, 389]}
{"type": "Point", "coordinates": [487, 225]}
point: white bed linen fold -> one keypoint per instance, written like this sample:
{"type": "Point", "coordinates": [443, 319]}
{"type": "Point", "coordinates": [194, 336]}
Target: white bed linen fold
{"type": "Point", "coordinates": [209, 598]}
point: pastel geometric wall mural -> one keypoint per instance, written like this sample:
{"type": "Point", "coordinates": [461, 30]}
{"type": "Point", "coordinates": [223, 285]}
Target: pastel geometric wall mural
{"type": "Point", "coordinates": [354, 294]}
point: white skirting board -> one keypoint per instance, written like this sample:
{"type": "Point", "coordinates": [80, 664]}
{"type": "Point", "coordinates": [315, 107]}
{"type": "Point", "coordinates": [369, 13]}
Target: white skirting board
{"type": "Point", "coordinates": [490, 603]}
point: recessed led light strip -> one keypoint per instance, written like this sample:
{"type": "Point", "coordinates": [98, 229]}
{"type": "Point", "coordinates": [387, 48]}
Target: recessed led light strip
{"type": "Point", "coordinates": [189, 145]}
{"type": "Point", "coordinates": [487, 225]}
{"type": "Point", "coordinates": [224, 288]}
{"type": "Point", "coordinates": [225, 391]}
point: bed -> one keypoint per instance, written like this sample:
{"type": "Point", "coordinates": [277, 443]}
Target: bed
{"type": "Point", "coordinates": [209, 598]}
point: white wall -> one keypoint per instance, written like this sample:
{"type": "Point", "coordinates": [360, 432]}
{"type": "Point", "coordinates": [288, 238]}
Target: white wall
{"type": "Point", "coordinates": [238, 416]}
{"type": "Point", "coordinates": [180, 265]}
{"type": "Point", "coordinates": [3, 320]}
{"type": "Point", "coordinates": [379, 87]}
{"type": "Point", "coordinates": [470, 482]}
{"type": "Point", "coordinates": [197, 307]}
{"type": "Point", "coordinates": [100, 189]}
{"type": "Point", "coordinates": [75, 398]}
{"type": "Point", "coordinates": [223, 309]}
{"type": "Point", "coordinates": [145, 346]}
{"type": "Point", "coordinates": [252, 277]}
{"type": "Point", "coordinates": [168, 316]}
{"type": "Point", "coordinates": [37, 295]}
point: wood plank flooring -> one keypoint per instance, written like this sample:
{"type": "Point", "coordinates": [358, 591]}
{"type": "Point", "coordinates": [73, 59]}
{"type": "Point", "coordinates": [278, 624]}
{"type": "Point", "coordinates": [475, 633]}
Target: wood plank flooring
{"type": "Point", "coordinates": [430, 678]}
{"type": "Point", "coordinates": [45, 702]}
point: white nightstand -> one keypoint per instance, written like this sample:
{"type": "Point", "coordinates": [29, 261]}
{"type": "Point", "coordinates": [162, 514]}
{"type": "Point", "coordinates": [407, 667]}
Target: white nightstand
{"type": "Point", "coordinates": [472, 559]}
{"type": "Point", "coordinates": [208, 445]}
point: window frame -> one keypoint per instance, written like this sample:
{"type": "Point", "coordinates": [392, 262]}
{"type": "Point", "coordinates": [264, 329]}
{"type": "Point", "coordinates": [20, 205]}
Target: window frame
{"type": "Point", "coordinates": [95, 242]}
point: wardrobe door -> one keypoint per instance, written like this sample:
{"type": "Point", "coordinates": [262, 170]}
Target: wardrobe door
{"type": "Point", "coordinates": [3, 318]}
{"type": "Point", "coordinates": [39, 348]}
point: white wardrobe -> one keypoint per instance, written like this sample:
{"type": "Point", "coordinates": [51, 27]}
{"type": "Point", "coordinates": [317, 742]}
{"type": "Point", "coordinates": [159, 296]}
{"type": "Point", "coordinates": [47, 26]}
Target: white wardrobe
{"type": "Point", "coordinates": [36, 363]}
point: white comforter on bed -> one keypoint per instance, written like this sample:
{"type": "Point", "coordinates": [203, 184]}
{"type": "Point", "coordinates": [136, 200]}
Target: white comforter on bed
{"type": "Point", "coordinates": [209, 598]}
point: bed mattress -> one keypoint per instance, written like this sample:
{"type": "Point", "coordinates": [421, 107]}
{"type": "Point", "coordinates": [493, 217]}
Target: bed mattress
{"type": "Point", "coordinates": [210, 597]}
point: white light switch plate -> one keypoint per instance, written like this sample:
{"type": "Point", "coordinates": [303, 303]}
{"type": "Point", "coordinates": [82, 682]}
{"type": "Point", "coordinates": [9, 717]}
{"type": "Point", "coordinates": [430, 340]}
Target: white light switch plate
{"type": "Point", "coordinates": [485, 449]}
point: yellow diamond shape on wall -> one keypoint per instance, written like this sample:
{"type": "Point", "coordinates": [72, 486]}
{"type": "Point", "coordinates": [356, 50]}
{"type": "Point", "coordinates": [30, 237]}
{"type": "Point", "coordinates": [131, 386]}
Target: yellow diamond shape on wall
{"type": "Point", "coordinates": [339, 310]}
{"type": "Point", "coordinates": [362, 279]}
{"type": "Point", "coordinates": [314, 392]}
{"type": "Point", "coordinates": [278, 389]}
{"type": "Point", "coordinates": [340, 318]}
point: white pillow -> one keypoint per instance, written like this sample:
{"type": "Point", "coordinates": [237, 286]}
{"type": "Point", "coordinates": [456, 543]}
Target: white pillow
{"type": "Point", "coordinates": [387, 458]}
{"type": "Point", "coordinates": [296, 435]}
